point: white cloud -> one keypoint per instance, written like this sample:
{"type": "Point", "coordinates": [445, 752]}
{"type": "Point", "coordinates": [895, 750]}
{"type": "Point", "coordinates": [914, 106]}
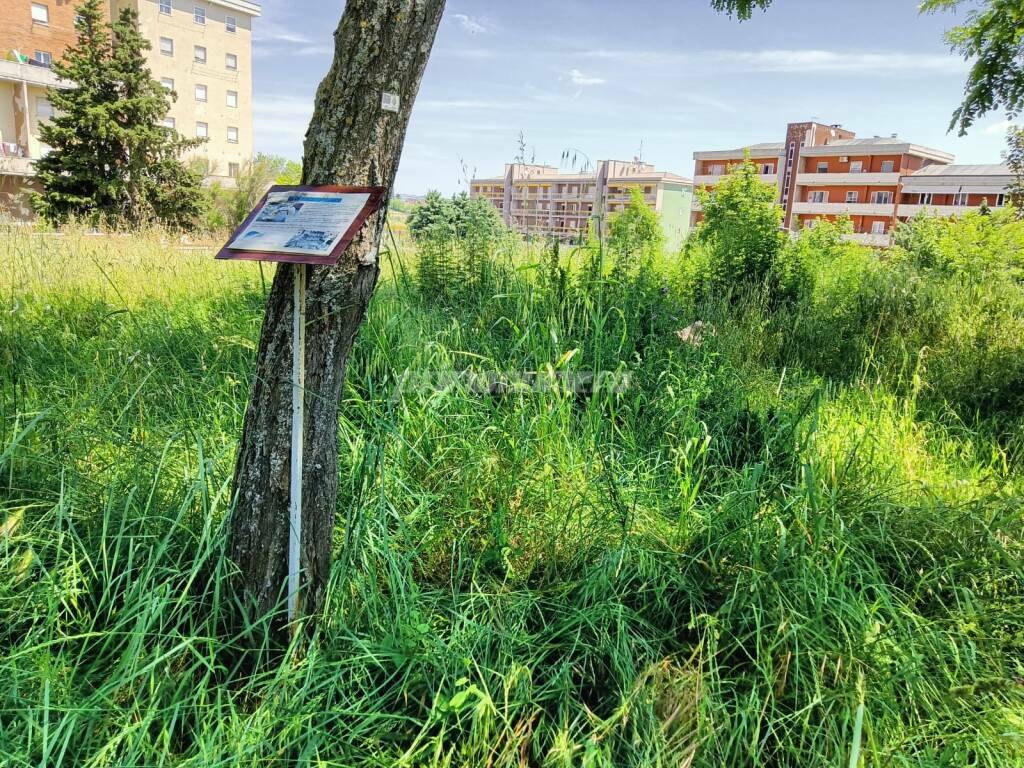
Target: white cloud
{"type": "Point", "coordinates": [280, 123]}
{"type": "Point", "coordinates": [314, 50]}
{"type": "Point", "coordinates": [838, 61]}
{"type": "Point", "coordinates": [804, 61]}
{"type": "Point", "coordinates": [475, 25]}
{"type": "Point", "coordinates": [578, 78]}
{"type": "Point", "coordinates": [466, 104]}
{"type": "Point", "coordinates": [1000, 128]}
{"type": "Point", "coordinates": [708, 101]}
{"type": "Point", "coordinates": [465, 53]}
{"type": "Point", "coordinates": [272, 32]}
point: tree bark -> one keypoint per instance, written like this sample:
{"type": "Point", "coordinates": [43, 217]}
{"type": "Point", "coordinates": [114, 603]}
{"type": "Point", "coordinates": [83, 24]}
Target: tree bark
{"type": "Point", "coordinates": [380, 45]}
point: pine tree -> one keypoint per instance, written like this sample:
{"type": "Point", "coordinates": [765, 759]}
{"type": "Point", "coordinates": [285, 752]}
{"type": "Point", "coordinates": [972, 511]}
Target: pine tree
{"type": "Point", "coordinates": [112, 162]}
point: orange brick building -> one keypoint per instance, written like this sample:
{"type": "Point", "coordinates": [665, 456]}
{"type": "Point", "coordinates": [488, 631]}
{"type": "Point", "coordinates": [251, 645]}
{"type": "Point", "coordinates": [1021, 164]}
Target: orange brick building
{"type": "Point", "coordinates": [825, 171]}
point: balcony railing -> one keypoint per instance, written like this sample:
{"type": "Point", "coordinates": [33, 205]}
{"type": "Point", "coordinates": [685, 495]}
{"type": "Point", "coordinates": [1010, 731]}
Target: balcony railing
{"type": "Point", "coordinates": [710, 180]}
{"type": "Point", "coordinates": [860, 179]}
{"type": "Point", "coordinates": [935, 210]}
{"type": "Point", "coordinates": [41, 76]}
{"type": "Point", "coordinates": [17, 166]}
{"type": "Point", "coordinates": [853, 209]}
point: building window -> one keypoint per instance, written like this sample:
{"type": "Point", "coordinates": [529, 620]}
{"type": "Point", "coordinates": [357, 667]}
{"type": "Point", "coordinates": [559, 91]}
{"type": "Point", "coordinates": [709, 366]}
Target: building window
{"type": "Point", "coordinates": [201, 92]}
{"type": "Point", "coordinates": [716, 170]}
{"type": "Point", "coordinates": [878, 228]}
{"type": "Point", "coordinates": [165, 7]}
{"type": "Point", "coordinates": [767, 169]}
{"type": "Point", "coordinates": [231, 61]}
{"type": "Point", "coordinates": [888, 166]}
{"type": "Point", "coordinates": [852, 197]}
{"type": "Point", "coordinates": [44, 109]}
{"type": "Point", "coordinates": [200, 55]}
{"type": "Point", "coordinates": [230, 24]}
{"type": "Point", "coordinates": [1000, 201]}
{"type": "Point", "coordinates": [202, 130]}
{"type": "Point", "coordinates": [199, 15]}
{"type": "Point", "coordinates": [232, 135]}
{"type": "Point", "coordinates": [166, 46]}
{"type": "Point", "coordinates": [881, 198]}
{"type": "Point", "coordinates": [167, 83]}
{"type": "Point", "coordinates": [818, 196]}
{"type": "Point", "coordinates": [43, 57]}
{"type": "Point", "coordinates": [169, 122]}
{"type": "Point", "coordinates": [823, 167]}
{"type": "Point", "coordinates": [233, 170]}
{"type": "Point", "coordinates": [40, 13]}
{"type": "Point", "coordinates": [925, 198]}
{"type": "Point", "coordinates": [810, 223]}
{"type": "Point", "coordinates": [232, 99]}
{"type": "Point", "coordinates": [857, 166]}
{"type": "Point", "coordinates": [960, 198]}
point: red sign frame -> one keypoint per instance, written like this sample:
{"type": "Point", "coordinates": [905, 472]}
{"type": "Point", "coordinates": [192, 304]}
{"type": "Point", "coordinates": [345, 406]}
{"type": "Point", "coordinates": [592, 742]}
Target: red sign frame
{"type": "Point", "coordinates": [377, 198]}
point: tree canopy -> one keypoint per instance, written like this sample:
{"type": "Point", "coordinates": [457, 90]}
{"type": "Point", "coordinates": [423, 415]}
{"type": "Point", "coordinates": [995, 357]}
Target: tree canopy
{"type": "Point", "coordinates": [741, 9]}
{"type": "Point", "coordinates": [992, 38]}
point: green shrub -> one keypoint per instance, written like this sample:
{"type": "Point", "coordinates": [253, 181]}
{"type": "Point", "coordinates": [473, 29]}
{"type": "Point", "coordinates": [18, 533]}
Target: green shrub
{"type": "Point", "coordinates": [741, 233]}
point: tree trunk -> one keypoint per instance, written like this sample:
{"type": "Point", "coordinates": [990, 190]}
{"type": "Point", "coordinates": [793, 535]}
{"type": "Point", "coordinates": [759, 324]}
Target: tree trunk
{"type": "Point", "coordinates": [380, 45]}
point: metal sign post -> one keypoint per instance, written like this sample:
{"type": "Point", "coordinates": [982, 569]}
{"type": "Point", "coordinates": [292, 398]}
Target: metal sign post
{"type": "Point", "coordinates": [298, 422]}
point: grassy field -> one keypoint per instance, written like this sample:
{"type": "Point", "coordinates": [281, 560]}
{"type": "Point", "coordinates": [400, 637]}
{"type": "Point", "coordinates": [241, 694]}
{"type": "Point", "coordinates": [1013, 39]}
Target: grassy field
{"type": "Point", "coordinates": [797, 543]}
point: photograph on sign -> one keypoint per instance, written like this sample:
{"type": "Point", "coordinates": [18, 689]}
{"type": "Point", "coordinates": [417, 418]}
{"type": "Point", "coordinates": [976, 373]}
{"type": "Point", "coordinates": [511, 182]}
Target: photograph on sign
{"type": "Point", "coordinates": [300, 222]}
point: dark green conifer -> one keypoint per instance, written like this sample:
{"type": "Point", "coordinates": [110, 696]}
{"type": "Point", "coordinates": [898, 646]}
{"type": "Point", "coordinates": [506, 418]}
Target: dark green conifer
{"type": "Point", "coordinates": [111, 160]}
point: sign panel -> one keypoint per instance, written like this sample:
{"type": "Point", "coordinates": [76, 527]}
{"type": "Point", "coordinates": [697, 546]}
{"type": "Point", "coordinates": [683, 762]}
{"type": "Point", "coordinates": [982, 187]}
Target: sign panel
{"type": "Point", "coordinates": [303, 225]}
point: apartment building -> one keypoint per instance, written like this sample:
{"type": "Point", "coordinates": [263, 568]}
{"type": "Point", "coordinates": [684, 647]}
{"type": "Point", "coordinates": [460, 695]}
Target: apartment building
{"type": "Point", "coordinates": [202, 49]}
{"type": "Point", "coordinates": [825, 171]}
{"type": "Point", "coordinates": [32, 35]}
{"type": "Point", "coordinates": [949, 190]}
{"type": "Point", "coordinates": [540, 200]}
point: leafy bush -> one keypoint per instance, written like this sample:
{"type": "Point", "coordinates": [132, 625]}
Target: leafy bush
{"type": "Point", "coordinates": [460, 216]}
{"type": "Point", "coordinates": [227, 207]}
{"type": "Point", "coordinates": [458, 240]}
{"type": "Point", "coordinates": [741, 234]}
{"type": "Point", "coordinates": [635, 234]}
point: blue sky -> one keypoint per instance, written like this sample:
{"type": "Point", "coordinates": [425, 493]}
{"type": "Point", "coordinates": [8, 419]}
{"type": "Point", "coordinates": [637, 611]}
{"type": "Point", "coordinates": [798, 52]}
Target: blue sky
{"type": "Point", "coordinates": [605, 77]}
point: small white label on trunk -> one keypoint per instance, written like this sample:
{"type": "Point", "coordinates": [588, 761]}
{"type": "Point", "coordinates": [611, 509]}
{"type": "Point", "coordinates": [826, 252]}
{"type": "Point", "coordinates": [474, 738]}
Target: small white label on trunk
{"type": "Point", "coordinates": [389, 102]}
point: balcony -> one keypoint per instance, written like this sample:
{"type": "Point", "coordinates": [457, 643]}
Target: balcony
{"type": "Point", "coordinates": [910, 211]}
{"type": "Point", "coordinates": [17, 166]}
{"type": "Point", "coordinates": [14, 71]}
{"type": "Point", "coordinates": [710, 180]}
{"type": "Point", "coordinates": [839, 179]}
{"type": "Point", "coordinates": [619, 199]}
{"type": "Point", "coordinates": [853, 209]}
{"type": "Point", "coordinates": [15, 160]}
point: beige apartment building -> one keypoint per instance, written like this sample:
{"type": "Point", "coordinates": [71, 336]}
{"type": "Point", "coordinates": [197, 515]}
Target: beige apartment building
{"type": "Point", "coordinates": [201, 49]}
{"type": "Point", "coordinates": [540, 200]}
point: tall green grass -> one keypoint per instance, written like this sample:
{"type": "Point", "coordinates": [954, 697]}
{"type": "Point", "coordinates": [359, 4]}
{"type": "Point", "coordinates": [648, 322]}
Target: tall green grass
{"type": "Point", "coordinates": [789, 545]}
